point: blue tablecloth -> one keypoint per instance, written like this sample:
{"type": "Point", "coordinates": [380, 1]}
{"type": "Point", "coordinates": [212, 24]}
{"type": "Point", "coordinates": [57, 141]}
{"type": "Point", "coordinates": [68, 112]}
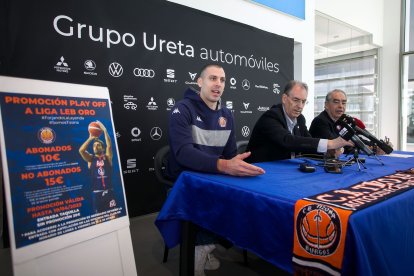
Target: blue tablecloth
{"type": "Point", "coordinates": [256, 213]}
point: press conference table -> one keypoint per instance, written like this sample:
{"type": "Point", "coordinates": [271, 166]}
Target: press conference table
{"type": "Point", "coordinates": [257, 213]}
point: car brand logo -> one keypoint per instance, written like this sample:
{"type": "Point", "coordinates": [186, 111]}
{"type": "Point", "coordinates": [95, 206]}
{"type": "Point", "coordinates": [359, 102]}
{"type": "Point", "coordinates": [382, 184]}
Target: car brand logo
{"type": "Point", "coordinates": [170, 73]}
{"type": "Point", "coordinates": [246, 105]}
{"type": "Point", "coordinates": [246, 84]}
{"type": "Point", "coordinates": [144, 73]}
{"type": "Point", "coordinates": [90, 65]}
{"type": "Point", "coordinates": [131, 163]}
{"type": "Point", "coordinates": [156, 133]}
{"type": "Point", "coordinates": [192, 75]}
{"type": "Point", "coordinates": [170, 102]}
{"type": "Point", "coordinates": [136, 132]}
{"type": "Point", "coordinates": [62, 62]}
{"type": "Point", "coordinates": [115, 69]}
{"type": "Point", "coordinates": [131, 105]}
{"type": "Point", "coordinates": [233, 81]}
{"type": "Point", "coordinates": [276, 89]}
{"type": "Point", "coordinates": [245, 131]}
{"type": "Point", "coordinates": [229, 104]}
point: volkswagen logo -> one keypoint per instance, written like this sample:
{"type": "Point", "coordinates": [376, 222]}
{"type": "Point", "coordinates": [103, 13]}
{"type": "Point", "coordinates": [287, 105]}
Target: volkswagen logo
{"type": "Point", "coordinates": [246, 84]}
{"type": "Point", "coordinates": [115, 69]}
{"type": "Point", "coordinates": [144, 73]}
{"type": "Point", "coordinates": [90, 65]}
{"type": "Point", "coordinates": [245, 131]}
{"type": "Point", "coordinates": [156, 133]}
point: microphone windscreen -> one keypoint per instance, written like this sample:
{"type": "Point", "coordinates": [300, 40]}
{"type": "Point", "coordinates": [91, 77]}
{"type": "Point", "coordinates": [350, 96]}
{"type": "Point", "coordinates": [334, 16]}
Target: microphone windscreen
{"type": "Point", "coordinates": [359, 123]}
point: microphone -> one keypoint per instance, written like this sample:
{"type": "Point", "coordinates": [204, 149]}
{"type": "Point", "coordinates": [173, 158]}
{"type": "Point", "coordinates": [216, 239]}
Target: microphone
{"type": "Point", "coordinates": [348, 133]}
{"type": "Point", "coordinates": [360, 129]}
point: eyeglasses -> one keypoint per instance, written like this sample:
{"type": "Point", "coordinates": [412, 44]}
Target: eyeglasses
{"type": "Point", "coordinates": [298, 101]}
{"type": "Point", "coordinates": [334, 101]}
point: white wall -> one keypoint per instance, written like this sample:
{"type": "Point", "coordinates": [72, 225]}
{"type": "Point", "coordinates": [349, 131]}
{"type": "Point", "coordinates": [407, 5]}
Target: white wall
{"type": "Point", "coordinates": [302, 31]}
{"type": "Point", "coordinates": [366, 14]}
{"type": "Point", "coordinates": [382, 19]}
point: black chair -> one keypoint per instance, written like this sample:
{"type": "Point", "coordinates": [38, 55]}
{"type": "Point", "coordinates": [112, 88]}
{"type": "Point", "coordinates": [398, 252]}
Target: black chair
{"type": "Point", "coordinates": [241, 146]}
{"type": "Point", "coordinates": [160, 162]}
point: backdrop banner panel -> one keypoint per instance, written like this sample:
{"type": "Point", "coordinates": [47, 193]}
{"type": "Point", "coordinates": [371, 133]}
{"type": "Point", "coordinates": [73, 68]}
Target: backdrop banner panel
{"type": "Point", "coordinates": [147, 53]}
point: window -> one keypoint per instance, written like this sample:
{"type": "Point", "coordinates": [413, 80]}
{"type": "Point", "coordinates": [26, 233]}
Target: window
{"type": "Point", "coordinates": [355, 74]}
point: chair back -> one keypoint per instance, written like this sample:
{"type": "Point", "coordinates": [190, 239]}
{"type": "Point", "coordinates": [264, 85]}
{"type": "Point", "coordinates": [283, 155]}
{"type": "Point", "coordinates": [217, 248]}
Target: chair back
{"type": "Point", "coordinates": [241, 146]}
{"type": "Point", "coordinates": [160, 162]}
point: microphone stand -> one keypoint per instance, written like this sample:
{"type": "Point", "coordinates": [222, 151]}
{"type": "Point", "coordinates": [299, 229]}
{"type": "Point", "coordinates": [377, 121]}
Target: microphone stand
{"type": "Point", "coordinates": [356, 159]}
{"type": "Point", "coordinates": [375, 149]}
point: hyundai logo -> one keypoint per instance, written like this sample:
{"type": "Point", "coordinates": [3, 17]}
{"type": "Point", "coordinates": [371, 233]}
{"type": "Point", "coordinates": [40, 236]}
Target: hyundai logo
{"type": "Point", "coordinates": [246, 84]}
{"type": "Point", "coordinates": [115, 69]}
{"type": "Point", "coordinates": [144, 73]}
{"type": "Point", "coordinates": [156, 133]}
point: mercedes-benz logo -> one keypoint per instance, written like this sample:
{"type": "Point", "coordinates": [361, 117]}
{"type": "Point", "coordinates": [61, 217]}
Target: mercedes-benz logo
{"type": "Point", "coordinates": [115, 69]}
{"type": "Point", "coordinates": [245, 131]}
{"type": "Point", "coordinates": [156, 133]}
{"type": "Point", "coordinates": [144, 73]}
{"type": "Point", "coordinates": [233, 81]}
{"type": "Point", "coordinates": [246, 84]}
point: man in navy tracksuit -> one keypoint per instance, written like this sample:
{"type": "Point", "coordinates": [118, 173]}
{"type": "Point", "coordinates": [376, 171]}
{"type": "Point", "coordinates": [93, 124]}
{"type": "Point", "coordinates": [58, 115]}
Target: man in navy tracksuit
{"type": "Point", "coordinates": [201, 138]}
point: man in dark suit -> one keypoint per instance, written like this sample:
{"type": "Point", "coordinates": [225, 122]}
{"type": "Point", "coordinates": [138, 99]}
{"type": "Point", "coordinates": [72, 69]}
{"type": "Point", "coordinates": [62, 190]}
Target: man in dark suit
{"type": "Point", "coordinates": [323, 125]}
{"type": "Point", "coordinates": [281, 132]}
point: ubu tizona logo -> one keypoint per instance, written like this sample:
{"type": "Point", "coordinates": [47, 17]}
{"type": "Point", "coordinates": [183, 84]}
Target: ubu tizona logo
{"type": "Point", "coordinates": [319, 229]}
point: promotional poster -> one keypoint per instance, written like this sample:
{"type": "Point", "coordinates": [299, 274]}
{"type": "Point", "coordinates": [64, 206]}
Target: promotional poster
{"type": "Point", "coordinates": [60, 161]}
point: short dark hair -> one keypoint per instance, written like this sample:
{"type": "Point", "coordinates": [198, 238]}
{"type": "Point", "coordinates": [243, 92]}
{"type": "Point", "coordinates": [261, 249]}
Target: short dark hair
{"type": "Point", "coordinates": [99, 141]}
{"type": "Point", "coordinates": [289, 86]}
{"type": "Point", "coordinates": [207, 66]}
{"type": "Point", "coordinates": [329, 95]}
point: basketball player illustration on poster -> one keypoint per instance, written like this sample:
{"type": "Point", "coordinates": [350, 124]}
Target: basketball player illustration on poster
{"type": "Point", "coordinates": [100, 167]}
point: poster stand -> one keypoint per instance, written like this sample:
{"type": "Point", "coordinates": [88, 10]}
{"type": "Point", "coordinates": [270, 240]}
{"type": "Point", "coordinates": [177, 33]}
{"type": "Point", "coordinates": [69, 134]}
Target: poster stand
{"type": "Point", "coordinates": [64, 219]}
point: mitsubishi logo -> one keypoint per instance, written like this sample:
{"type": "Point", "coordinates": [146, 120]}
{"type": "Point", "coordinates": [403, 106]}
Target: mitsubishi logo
{"type": "Point", "coordinates": [115, 69]}
{"type": "Point", "coordinates": [246, 84]}
{"type": "Point", "coordinates": [245, 131]}
{"type": "Point", "coordinates": [62, 62]}
{"type": "Point", "coordinates": [156, 133]}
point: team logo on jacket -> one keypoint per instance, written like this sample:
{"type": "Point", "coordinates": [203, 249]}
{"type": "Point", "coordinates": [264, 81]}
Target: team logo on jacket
{"type": "Point", "coordinates": [222, 121]}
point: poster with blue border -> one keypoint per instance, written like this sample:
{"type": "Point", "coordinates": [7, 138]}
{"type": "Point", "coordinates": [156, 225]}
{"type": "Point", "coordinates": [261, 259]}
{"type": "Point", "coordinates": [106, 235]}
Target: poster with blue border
{"type": "Point", "coordinates": [61, 163]}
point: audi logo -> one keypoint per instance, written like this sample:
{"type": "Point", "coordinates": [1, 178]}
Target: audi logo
{"type": "Point", "coordinates": [115, 69]}
{"type": "Point", "coordinates": [144, 73]}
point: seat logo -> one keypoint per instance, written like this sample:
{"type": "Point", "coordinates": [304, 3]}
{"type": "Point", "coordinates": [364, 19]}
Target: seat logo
{"type": "Point", "coordinates": [115, 69]}
{"type": "Point", "coordinates": [144, 73]}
